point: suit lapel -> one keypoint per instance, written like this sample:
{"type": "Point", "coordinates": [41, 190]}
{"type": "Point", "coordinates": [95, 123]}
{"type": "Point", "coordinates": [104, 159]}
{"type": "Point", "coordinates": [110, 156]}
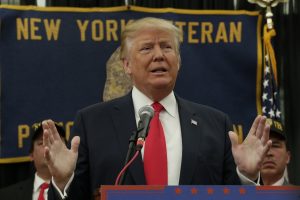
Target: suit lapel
{"type": "Point", "coordinates": [189, 123]}
{"type": "Point", "coordinates": [124, 111]}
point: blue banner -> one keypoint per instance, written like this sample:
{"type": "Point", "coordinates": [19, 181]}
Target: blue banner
{"type": "Point", "coordinates": [200, 192]}
{"type": "Point", "coordinates": [54, 61]}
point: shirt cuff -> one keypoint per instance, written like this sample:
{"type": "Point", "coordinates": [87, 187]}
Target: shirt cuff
{"type": "Point", "coordinates": [247, 181]}
{"type": "Point", "coordinates": [64, 194]}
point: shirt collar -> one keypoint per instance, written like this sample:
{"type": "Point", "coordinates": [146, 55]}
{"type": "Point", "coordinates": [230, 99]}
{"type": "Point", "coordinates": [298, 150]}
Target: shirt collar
{"type": "Point", "coordinates": [279, 182]}
{"type": "Point", "coordinates": [38, 181]}
{"type": "Point", "coordinates": [140, 100]}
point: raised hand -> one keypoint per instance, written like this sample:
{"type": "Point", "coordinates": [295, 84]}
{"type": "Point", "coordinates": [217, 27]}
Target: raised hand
{"type": "Point", "coordinates": [61, 161]}
{"type": "Point", "coordinates": [249, 155]}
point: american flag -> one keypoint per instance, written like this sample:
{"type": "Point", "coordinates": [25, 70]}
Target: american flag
{"type": "Point", "coordinates": [270, 92]}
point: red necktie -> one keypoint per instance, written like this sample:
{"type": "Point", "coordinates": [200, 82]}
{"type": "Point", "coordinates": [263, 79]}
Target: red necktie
{"type": "Point", "coordinates": [43, 187]}
{"type": "Point", "coordinates": [155, 153]}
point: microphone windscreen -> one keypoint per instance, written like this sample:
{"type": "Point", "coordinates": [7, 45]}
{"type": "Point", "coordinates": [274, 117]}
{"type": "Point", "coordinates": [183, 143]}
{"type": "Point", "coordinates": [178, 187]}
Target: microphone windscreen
{"type": "Point", "coordinates": [148, 110]}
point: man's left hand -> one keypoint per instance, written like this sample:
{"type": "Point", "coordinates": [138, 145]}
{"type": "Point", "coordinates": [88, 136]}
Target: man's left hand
{"type": "Point", "coordinates": [249, 155]}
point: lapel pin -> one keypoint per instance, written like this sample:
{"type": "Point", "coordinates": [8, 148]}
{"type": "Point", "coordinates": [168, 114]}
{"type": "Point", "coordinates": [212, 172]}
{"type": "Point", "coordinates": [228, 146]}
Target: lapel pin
{"type": "Point", "coordinates": [194, 122]}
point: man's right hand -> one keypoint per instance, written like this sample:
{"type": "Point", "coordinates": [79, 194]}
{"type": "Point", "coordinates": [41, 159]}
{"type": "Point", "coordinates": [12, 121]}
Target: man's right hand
{"type": "Point", "coordinates": [61, 161]}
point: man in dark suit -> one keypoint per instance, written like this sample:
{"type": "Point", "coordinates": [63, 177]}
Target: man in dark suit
{"type": "Point", "coordinates": [36, 187]}
{"type": "Point", "coordinates": [199, 149]}
{"type": "Point", "coordinates": [278, 157]}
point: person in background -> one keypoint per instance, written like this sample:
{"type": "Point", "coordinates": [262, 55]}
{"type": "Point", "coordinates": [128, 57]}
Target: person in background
{"type": "Point", "coordinates": [36, 187]}
{"type": "Point", "coordinates": [278, 157]}
{"type": "Point", "coordinates": [195, 147]}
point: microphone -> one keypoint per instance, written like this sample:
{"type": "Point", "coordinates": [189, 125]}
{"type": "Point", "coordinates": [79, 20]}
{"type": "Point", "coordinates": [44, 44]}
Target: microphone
{"type": "Point", "coordinates": [146, 113]}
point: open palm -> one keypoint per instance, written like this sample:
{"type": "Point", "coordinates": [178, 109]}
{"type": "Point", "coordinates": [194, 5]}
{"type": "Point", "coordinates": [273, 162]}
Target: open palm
{"type": "Point", "coordinates": [249, 155]}
{"type": "Point", "coordinates": [61, 161]}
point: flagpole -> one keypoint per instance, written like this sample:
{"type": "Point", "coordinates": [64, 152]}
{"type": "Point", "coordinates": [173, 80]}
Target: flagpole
{"type": "Point", "coordinates": [268, 4]}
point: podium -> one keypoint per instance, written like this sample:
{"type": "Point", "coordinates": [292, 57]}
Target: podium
{"type": "Point", "coordinates": [200, 192]}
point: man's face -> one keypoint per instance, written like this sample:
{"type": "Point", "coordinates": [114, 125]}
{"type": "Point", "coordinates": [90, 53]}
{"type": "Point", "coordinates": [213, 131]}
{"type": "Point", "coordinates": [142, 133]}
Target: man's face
{"type": "Point", "coordinates": [152, 62]}
{"type": "Point", "coordinates": [276, 160]}
{"type": "Point", "coordinates": [37, 155]}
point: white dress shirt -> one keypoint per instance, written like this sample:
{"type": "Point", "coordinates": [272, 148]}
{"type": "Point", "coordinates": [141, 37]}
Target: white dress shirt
{"type": "Point", "coordinates": [169, 119]}
{"type": "Point", "coordinates": [38, 181]}
{"type": "Point", "coordinates": [279, 182]}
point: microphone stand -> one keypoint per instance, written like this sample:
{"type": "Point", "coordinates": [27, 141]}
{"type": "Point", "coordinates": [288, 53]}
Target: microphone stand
{"type": "Point", "coordinates": [130, 152]}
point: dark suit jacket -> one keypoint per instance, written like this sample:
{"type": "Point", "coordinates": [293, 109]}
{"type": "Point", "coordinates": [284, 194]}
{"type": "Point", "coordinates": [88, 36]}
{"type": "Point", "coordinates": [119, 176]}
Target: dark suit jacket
{"type": "Point", "coordinates": [286, 183]}
{"type": "Point", "coordinates": [19, 191]}
{"type": "Point", "coordinates": [105, 129]}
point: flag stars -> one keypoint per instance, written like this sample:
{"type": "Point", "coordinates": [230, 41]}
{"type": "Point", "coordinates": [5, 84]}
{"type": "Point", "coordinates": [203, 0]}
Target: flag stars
{"type": "Point", "coordinates": [267, 57]}
{"type": "Point", "coordinates": [266, 83]}
{"type": "Point", "coordinates": [242, 191]}
{"type": "Point", "coordinates": [270, 96]}
{"type": "Point", "coordinates": [194, 191]}
{"type": "Point", "coordinates": [178, 191]}
{"type": "Point", "coordinates": [271, 113]}
{"type": "Point", "coordinates": [267, 70]}
{"type": "Point", "coordinates": [210, 191]}
{"type": "Point", "coordinates": [264, 109]}
{"type": "Point", "coordinates": [278, 113]}
{"type": "Point", "coordinates": [265, 96]}
{"type": "Point", "coordinates": [271, 101]}
{"type": "Point", "coordinates": [226, 190]}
